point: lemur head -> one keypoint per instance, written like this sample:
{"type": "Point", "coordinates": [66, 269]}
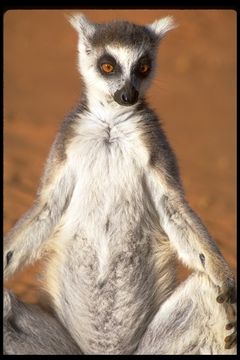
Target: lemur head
{"type": "Point", "coordinates": [117, 59]}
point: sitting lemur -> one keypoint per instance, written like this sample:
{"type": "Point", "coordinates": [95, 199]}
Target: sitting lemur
{"type": "Point", "coordinates": [112, 216]}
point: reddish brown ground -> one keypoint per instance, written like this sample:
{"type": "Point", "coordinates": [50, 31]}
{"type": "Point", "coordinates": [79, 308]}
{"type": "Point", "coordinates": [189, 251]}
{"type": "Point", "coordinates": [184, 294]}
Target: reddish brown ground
{"type": "Point", "coordinates": [194, 93]}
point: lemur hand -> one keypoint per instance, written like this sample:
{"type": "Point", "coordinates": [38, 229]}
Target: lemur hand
{"type": "Point", "coordinates": [12, 259]}
{"type": "Point", "coordinates": [7, 257]}
{"type": "Point", "coordinates": [221, 275]}
{"type": "Point", "coordinates": [227, 292]}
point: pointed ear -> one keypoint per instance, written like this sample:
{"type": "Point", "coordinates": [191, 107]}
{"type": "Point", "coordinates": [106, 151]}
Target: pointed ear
{"type": "Point", "coordinates": [162, 26]}
{"type": "Point", "coordinates": [82, 25]}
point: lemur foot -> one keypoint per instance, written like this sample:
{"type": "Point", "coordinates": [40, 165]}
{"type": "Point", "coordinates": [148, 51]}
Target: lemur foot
{"type": "Point", "coordinates": [228, 299]}
{"type": "Point", "coordinates": [231, 340]}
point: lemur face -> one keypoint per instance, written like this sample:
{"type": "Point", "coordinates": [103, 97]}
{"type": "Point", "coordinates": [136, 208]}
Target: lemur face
{"type": "Point", "coordinates": [117, 60]}
{"type": "Point", "coordinates": [125, 71]}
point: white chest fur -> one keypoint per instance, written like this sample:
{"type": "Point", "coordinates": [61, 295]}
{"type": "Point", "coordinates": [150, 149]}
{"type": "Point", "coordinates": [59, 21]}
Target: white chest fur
{"type": "Point", "coordinates": [108, 158]}
{"type": "Point", "coordinates": [108, 271]}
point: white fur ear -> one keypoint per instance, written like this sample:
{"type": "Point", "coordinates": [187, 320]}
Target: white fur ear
{"type": "Point", "coordinates": [162, 26]}
{"type": "Point", "coordinates": [82, 25]}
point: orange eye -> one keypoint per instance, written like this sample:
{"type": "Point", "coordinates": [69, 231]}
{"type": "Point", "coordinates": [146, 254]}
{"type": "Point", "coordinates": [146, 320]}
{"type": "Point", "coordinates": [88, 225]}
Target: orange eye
{"type": "Point", "coordinates": [107, 68]}
{"type": "Point", "coordinates": [144, 68]}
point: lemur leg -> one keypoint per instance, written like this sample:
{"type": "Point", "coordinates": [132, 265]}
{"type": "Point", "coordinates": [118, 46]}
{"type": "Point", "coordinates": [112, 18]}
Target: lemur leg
{"type": "Point", "coordinates": [189, 322]}
{"type": "Point", "coordinates": [27, 329]}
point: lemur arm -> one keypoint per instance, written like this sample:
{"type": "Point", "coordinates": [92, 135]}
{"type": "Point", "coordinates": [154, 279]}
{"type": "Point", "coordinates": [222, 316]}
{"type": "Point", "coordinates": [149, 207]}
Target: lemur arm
{"type": "Point", "coordinates": [188, 235]}
{"type": "Point", "coordinates": [22, 244]}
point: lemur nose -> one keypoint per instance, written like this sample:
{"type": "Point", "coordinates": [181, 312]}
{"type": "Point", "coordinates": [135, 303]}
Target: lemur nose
{"type": "Point", "coordinates": [126, 96]}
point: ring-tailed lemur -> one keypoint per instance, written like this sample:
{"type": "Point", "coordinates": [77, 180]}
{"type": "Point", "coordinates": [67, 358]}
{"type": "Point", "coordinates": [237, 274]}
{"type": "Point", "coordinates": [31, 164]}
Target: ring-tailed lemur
{"type": "Point", "coordinates": [111, 212]}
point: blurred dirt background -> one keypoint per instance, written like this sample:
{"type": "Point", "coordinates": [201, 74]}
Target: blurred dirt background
{"type": "Point", "coordinates": [194, 93]}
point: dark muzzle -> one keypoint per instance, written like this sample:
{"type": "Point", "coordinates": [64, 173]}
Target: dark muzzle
{"type": "Point", "coordinates": [126, 96]}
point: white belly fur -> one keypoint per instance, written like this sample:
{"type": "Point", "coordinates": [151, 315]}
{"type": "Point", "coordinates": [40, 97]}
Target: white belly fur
{"type": "Point", "coordinates": [104, 274]}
